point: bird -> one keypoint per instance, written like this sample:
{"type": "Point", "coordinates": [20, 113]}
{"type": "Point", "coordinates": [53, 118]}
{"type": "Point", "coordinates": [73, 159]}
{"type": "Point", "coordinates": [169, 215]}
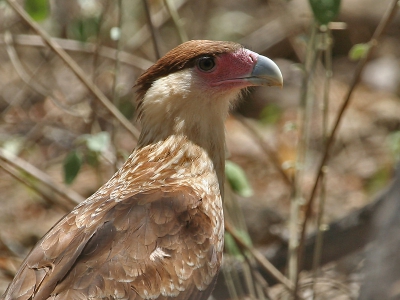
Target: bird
{"type": "Point", "coordinates": [155, 230]}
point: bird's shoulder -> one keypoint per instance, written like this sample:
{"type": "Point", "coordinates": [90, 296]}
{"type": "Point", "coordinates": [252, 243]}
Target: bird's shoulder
{"type": "Point", "coordinates": [153, 224]}
{"type": "Point", "coordinates": [154, 242]}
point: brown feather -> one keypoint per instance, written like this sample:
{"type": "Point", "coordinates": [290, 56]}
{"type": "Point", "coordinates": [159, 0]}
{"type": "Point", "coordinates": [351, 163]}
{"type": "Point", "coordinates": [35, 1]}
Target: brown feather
{"type": "Point", "coordinates": [139, 246]}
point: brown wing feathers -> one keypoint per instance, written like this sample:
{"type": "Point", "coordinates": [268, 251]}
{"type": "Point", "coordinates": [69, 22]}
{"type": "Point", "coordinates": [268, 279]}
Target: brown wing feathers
{"type": "Point", "coordinates": [137, 244]}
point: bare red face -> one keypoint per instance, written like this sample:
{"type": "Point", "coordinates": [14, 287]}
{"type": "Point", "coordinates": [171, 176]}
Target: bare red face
{"type": "Point", "coordinates": [238, 69]}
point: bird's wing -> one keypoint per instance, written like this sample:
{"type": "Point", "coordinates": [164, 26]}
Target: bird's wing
{"type": "Point", "coordinates": [152, 244]}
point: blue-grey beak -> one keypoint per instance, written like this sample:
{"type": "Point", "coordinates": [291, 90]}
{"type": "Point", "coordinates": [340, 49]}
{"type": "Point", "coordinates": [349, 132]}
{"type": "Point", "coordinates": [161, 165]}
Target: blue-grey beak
{"type": "Point", "coordinates": [266, 73]}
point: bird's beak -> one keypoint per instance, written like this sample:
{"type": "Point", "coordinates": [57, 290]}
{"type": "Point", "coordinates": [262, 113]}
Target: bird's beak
{"type": "Point", "coordinates": [265, 72]}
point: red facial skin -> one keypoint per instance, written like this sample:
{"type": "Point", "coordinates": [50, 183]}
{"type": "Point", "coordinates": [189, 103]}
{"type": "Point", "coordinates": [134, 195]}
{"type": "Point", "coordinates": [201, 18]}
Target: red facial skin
{"type": "Point", "coordinates": [231, 70]}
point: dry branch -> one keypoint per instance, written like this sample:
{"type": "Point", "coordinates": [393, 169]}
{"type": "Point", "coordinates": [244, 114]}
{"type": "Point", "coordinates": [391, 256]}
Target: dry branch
{"type": "Point", "coordinates": [76, 69]}
{"type": "Point", "coordinates": [385, 21]}
{"type": "Point", "coordinates": [18, 163]}
{"type": "Point", "coordinates": [78, 46]}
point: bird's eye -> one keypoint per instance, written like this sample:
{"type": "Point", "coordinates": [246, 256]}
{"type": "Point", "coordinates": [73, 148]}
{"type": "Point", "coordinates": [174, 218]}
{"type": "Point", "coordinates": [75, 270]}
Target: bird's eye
{"type": "Point", "coordinates": [206, 64]}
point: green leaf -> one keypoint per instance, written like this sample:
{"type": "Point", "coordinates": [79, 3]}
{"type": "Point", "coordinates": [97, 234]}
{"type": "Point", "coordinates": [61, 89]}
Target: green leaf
{"type": "Point", "coordinates": [85, 28]}
{"type": "Point", "coordinates": [270, 114]}
{"type": "Point", "coordinates": [231, 245]}
{"type": "Point", "coordinates": [325, 10]}
{"type": "Point", "coordinates": [126, 106]}
{"type": "Point", "coordinates": [98, 142]}
{"type": "Point", "coordinates": [237, 179]}
{"type": "Point", "coordinates": [72, 165]}
{"type": "Point", "coordinates": [394, 144]}
{"type": "Point", "coordinates": [359, 51]}
{"type": "Point", "coordinates": [379, 180]}
{"type": "Point", "coordinates": [37, 9]}
{"type": "Point", "coordinates": [92, 158]}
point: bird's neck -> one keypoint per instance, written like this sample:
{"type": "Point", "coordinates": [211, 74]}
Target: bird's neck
{"type": "Point", "coordinates": [178, 105]}
{"type": "Point", "coordinates": [206, 136]}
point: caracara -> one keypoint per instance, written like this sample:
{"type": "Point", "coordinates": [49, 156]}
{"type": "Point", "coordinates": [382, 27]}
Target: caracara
{"type": "Point", "coordinates": [155, 230]}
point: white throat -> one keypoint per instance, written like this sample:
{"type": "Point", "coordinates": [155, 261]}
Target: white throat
{"type": "Point", "coordinates": [178, 104]}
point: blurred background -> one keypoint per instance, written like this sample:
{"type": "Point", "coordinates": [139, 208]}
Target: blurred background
{"type": "Point", "coordinates": [59, 143]}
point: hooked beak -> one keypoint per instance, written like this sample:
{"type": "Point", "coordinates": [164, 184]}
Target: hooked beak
{"type": "Point", "coordinates": [260, 71]}
{"type": "Point", "coordinates": [265, 73]}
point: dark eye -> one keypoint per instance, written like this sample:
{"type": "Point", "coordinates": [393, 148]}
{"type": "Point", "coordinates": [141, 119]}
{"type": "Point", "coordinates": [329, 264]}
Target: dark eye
{"type": "Point", "coordinates": [206, 63]}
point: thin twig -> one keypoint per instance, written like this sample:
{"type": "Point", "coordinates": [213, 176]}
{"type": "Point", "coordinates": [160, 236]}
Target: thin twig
{"type": "Point", "coordinates": [115, 92]}
{"type": "Point", "coordinates": [230, 284]}
{"type": "Point", "coordinates": [93, 118]}
{"type": "Point", "coordinates": [29, 79]}
{"type": "Point", "coordinates": [152, 29]}
{"type": "Point", "coordinates": [273, 156]}
{"type": "Point", "coordinates": [262, 282]}
{"type": "Point", "coordinates": [260, 285]}
{"type": "Point", "coordinates": [386, 19]}
{"type": "Point", "coordinates": [177, 21]}
{"type": "Point", "coordinates": [117, 65]}
{"type": "Point", "coordinates": [304, 117]}
{"type": "Point", "coordinates": [261, 259]}
{"type": "Point", "coordinates": [18, 163]}
{"type": "Point", "coordinates": [327, 42]}
{"type": "Point", "coordinates": [78, 46]}
{"type": "Point", "coordinates": [66, 207]}
{"type": "Point", "coordinates": [98, 42]}
{"type": "Point", "coordinates": [76, 69]}
{"type": "Point", "coordinates": [159, 18]}
{"type": "Point", "coordinates": [234, 216]}
{"type": "Point", "coordinates": [248, 278]}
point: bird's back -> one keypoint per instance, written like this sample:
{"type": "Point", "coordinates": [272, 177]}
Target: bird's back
{"type": "Point", "coordinates": [144, 235]}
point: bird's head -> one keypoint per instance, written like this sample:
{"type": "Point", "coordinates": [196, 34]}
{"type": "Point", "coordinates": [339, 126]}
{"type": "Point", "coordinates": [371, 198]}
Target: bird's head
{"type": "Point", "coordinates": [190, 89]}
